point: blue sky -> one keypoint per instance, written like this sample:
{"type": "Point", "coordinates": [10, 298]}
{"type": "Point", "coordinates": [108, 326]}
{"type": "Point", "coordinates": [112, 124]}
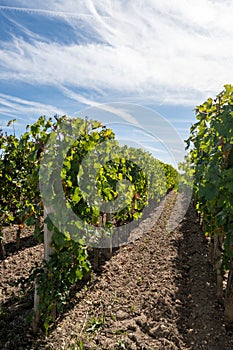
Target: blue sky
{"type": "Point", "coordinates": [66, 57]}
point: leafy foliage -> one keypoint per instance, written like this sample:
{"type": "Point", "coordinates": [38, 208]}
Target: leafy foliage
{"type": "Point", "coordinates": [211, 154]}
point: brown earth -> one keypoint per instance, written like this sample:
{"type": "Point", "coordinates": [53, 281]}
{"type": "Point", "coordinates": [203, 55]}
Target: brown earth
{"type": "Point", "coordinates": [155, 293]}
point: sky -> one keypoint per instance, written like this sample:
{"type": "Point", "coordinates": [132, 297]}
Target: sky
{"type": "Point", "coordinates": [141, 66]}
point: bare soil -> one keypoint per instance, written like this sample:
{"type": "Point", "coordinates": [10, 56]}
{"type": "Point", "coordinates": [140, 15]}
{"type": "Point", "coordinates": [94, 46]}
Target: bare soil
{"type": "Point", "coordinates": [156, 293]}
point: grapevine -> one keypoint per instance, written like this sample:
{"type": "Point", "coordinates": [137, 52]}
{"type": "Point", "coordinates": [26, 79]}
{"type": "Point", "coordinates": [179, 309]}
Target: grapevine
{"type": "Point", "coordinates": [21, 162]}
{"type": "Point", "coordinates": [211, 154]}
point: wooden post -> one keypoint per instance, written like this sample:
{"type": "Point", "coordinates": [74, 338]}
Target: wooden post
{"type": "Point", "coordinates": [2, 248]}
{"type": "Point", "coordinates": [36, 316]}
{"type": "Point", "coordinates": [107, 251]}
{"type": "Point", "coordinates": [228, 313]}
{"type": "Point", "coordinates": [48, 250]}
{"type": "Point", "coordinates": [218, 242]}
{"type": "Point", "coordinates": [96, 252]}
{"type": "Point", "coordinates": [18, 235]}
{"type": "Point", "coordinates": [109, 239]}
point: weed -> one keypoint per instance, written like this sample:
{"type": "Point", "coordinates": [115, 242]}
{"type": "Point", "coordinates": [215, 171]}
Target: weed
{"type": "Point", "coordinates": [121, 344]}
{"type": "Point", "coordinates": [95, 324]}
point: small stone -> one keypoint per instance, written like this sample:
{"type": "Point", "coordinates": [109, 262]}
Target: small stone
{"type": "Point", "coordinates": [121, 315]}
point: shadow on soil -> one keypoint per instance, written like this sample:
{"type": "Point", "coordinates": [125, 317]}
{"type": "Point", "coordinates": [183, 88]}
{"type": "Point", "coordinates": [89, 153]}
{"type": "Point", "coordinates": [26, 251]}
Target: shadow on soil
{"type": "Point", "coordinates": [200, 315]}
{"type": "Point", "coordinates": [25, 242]}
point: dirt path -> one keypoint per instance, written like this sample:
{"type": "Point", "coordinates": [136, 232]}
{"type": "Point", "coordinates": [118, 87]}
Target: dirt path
{"type": "Point", "coordinates": [158, 293]}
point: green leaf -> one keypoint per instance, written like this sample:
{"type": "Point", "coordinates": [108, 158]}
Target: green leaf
{"type": "Point", "coordinates": [77, 196]}
{"type": "Point", "coordinates": [30, 221]}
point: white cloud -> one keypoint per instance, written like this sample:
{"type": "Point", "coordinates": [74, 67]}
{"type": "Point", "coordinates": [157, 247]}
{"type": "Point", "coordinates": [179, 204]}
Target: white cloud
{"type": "Point", "coordinates": [166, 52]}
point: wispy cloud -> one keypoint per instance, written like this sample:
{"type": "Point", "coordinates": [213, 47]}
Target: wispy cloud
{"type": "Point", "coordinates": [118, 111]}
{"type": "Point", "coordinates": [15, 107]}
{"type": "Point", "coordinates": [44, 12]}
{"type": "Point", "coordinates": [162, 52]}
{"type": "Point", "coordinates": [155, 150]}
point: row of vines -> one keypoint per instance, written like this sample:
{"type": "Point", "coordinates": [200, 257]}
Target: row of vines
{"type": "Point", "coordinates": [211, 157]}
{"type": "Point", "coordinates": [71, 181]}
